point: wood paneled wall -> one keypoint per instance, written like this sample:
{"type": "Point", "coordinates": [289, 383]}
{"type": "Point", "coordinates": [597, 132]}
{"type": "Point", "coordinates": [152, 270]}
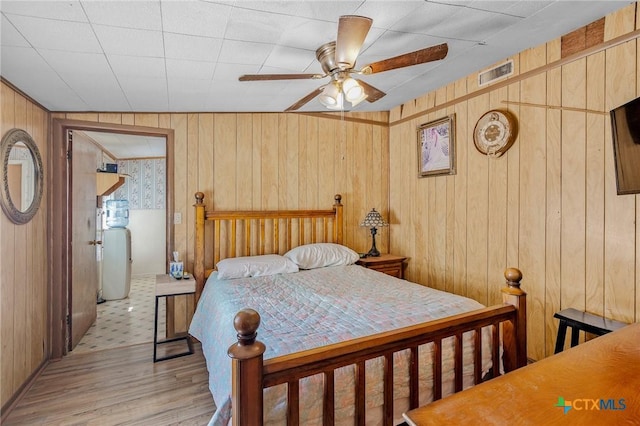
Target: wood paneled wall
{"type": "Point", "coordinates": [272, 161]}
{"type": "Point", "coordinates": [23, 263]}
{"type": "Point", "coordinates": [548, 206]}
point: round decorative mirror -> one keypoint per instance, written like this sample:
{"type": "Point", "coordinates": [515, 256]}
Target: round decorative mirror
{"type": "Point", "coordinates": [22, 176]}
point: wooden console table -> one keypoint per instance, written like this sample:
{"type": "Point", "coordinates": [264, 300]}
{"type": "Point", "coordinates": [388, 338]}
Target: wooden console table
{"type": "Point", "coordinates": [167, 286]}
{"type": "Point", "coordinates": [594, 383]}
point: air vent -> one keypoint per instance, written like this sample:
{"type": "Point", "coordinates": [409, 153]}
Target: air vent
{"type": "Point", "coordinates": [496, 73]}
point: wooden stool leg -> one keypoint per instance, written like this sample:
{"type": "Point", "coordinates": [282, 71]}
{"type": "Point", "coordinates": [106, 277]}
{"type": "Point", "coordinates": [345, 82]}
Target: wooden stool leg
{"type": "Point", "coordinates": [575, 335]}
{"type": "Point", "coordinates": [562, 333]}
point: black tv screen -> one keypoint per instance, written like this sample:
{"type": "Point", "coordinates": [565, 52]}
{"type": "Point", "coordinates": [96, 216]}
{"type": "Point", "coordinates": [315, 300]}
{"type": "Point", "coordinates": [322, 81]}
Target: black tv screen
{"type": "Point", "coordinates": [625, 125]}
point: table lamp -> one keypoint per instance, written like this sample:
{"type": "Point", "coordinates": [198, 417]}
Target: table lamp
{"type": "Point", "coordinates": [373, 220]}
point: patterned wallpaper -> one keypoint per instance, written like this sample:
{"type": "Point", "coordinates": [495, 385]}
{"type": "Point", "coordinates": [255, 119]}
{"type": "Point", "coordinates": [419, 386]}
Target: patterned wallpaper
{"type": "Point", "coordinates": [145, 185]}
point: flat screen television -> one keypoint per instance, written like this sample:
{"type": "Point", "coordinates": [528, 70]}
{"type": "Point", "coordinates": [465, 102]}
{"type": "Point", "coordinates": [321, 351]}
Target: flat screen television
{"type": "Point", "coordinates": [625, 127]}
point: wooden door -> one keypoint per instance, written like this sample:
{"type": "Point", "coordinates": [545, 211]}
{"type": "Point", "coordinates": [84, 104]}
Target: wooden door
{"type": "Point", "coordinates": [84, 267]}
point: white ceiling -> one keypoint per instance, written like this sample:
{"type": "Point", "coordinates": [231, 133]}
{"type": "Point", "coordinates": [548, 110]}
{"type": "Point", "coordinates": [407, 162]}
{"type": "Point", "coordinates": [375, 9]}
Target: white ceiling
{"type": "Point", "coordinates": [183, 56]}
{"type": "Point", "coordinates": [121, 146]}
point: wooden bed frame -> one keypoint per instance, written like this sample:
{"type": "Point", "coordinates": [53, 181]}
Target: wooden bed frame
{"type": "Point", "coordinates": [245, 233]}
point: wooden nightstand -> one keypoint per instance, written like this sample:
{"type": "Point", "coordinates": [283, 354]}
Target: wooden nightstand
{"type": "Point", "coordinates": [386, 263]}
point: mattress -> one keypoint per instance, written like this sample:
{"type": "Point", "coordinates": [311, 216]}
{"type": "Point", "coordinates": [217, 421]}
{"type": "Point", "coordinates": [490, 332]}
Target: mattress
{"type": "Point", "coordinates": [312, 308]}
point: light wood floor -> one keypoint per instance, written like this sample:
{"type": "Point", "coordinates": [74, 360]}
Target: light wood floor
{"type": "Point", "coordinates": [118, 386]}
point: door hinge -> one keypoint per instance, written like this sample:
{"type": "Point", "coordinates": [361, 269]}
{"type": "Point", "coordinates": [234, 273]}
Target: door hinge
{"type": "Point", "coordinates": [69, 155]}
{"type": "Point", "coordinates": [68, 319]}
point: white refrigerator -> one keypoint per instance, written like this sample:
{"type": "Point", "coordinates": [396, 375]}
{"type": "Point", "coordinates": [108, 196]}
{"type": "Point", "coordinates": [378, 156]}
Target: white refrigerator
{"type": "Point", "coordinates": [116, 263]}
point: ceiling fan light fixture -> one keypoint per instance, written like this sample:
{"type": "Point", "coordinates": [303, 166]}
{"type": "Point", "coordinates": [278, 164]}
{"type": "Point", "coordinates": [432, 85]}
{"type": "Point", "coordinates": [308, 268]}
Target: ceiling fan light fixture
{"type": "Point", "coordinates": [339, 102]}
{"type": "Point", "coordinates": [330, 95]}
{"type": "Point", "coordinates": [338, 60]}
{"type": "Point", "coordinates": [360, 99]}
{"type": "Point", "coordinates": [353, 92]}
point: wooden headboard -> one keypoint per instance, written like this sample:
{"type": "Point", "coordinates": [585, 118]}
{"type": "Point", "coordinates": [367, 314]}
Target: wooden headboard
{"type": "Point", "coordinates": [225, 234]}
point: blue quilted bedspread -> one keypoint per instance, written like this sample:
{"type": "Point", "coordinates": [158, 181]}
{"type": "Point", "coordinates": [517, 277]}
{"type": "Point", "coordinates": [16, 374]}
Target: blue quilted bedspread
{"type": "Point", "coordinates": [308, 309]}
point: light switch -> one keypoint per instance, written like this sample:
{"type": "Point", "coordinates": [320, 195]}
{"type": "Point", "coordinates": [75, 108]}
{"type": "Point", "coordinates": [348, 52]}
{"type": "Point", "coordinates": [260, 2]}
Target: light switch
{"type": "Point", "coordinates": [177, 218]}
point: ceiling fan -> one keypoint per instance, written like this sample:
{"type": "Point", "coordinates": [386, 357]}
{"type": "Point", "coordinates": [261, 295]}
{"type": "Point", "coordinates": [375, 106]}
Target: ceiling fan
{"type": "Point", "coordinates": [338, 59]}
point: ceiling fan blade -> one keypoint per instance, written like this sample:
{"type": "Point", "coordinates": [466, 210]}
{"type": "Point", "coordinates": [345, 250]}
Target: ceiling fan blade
{"type": "Point", "coordinates": [261, 77]}
{"type": "Point", "coordinates": [352, 30]}
{"type": "Point", "coordinates": [304, 100]}
{"type": "Point", "coordinates": [422, 56]}
{"type": "Point", "coordinates": [373, 94]}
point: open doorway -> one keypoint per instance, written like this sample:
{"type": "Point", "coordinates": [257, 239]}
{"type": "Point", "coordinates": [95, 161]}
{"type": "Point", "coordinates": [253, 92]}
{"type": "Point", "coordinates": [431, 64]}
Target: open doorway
{"type": "Point", "coordinates": [63, 220]}
{"type": "Point", "coordinates": [126, 267]}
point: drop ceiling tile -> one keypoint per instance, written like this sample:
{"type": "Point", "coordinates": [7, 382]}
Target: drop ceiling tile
{"type": "Point", "coordinates": [291, 59]}
{"type": "Point", "coordinates": [516, 8]}
{"type": "Point", "coordinates": [285, 7]}
{"type": "Point", "coordinates": [199, 18]}
{"type": "Point", "coordinates": [102, 97]}
{"type": "Point", "coordinates": [251, 25]}
{"type": "Point", "coordinates": [127, 14]}
{"type": "Point", "coordinates": [181, 69]}
{"type": "Point", "coordinates": [187, 85]}
{"type": "Point", "coordinates": [328, 10]}
{"type": "Point", "coordinates": [146, 94]}
{"type": "Point", "coordinates": [29, 71]}
{"type": "Point", "coordinates": [60, 35]}
{"type": "Point", "coordinates": [302, 27]}
{"type": "Point", "coordinates": [179, 46]}
{"type": "Point", "coordinates": [560, 19]}
{"type": "Point", "coordinates": [467, 24]}
{"type": "Point", "coordinates": [264, 88]}
{"type": "Point", "coordinates": [9, 36]}
{"type": "Point", "coordinates": [423, 19]}
{"type": "Point", "coordinates": [229, 73]}
{"type": "Point", "coordinates": [304, 33]}
{"type": "Point", "coordinates": [127, 41]}
{"type": "Point", "coordinates": [24, 63]}
{"type": "Point", "coordinates": [78, 64]}
{"type": "Point", "coordinates": [223, 91]}
{"type": "Point", "coordinates": [190, 101]}
{"type": "Point", "coordinates": [70, 10]}
{"type": "Point", "coordinates": [296, 91]}
{"type": "Point", "coordinates": [244, 52]}
{"type": "Point", "coordinates": [384, 16]}
{"type": "Point", "coordinates": [132, 66]}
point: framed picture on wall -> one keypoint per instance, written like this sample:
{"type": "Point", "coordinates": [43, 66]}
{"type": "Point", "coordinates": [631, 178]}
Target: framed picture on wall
{"type": "Point", "coordinates": [436, 147]}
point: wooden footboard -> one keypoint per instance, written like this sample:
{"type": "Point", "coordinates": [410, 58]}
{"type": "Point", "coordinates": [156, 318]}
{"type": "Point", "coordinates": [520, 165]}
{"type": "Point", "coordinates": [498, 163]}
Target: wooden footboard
{"type": "Point", "coordinates": [251, 374]}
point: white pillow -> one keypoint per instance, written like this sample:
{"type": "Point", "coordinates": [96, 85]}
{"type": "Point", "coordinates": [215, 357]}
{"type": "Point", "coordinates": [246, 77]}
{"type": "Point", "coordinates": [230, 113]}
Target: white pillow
{"type": "Point", "coordinates": [254, 266]}
{"type": "Point", "coordinates": [319, 255]}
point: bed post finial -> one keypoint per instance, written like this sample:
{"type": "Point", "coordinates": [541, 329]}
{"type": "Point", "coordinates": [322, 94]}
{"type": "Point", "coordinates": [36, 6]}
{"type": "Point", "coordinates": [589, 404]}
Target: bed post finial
{"type": "Point", "coordinates": [198, 254]}
{"type": "Point", "coordinates": [338, 223]}
{"type": "Point", "coordinates": [513, 276]}
{"type": "Point", "coordinates": [246, 323]}
{"type": "Point", "coordinates": [516, 351]}
{"type": "Point", "coordinates": [246, 370]}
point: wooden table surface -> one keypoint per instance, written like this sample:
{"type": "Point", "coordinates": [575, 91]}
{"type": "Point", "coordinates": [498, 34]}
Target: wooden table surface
{"type": "Point", "coordinates": [599, 380]}
{"type": "Point", "coordinates": [168, 286]}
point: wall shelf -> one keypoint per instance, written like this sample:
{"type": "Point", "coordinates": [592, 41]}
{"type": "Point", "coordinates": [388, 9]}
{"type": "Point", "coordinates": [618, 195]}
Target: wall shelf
{"type": "Point", "coordinates": [107, 183]}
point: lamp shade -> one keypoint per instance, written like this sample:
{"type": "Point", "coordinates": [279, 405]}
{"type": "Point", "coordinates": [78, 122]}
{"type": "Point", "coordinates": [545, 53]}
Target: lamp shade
{"type": "Point", "coordinates": [353, 92]}
{"type": "Point", "coordinates": [374, 219]}
{"type": "Point", "coordinates": [337, 93]}
{"type": "Point", "coordinates": [330, 95]}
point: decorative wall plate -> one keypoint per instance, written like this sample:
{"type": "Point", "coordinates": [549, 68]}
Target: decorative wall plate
{"type": "Point", "coordinates": [495, 132]}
